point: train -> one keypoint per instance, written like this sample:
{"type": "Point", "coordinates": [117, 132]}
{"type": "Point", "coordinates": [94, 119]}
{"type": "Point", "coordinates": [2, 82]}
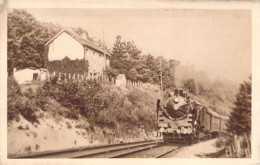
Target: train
{"type": "Point", "coordinates": [184, 120]}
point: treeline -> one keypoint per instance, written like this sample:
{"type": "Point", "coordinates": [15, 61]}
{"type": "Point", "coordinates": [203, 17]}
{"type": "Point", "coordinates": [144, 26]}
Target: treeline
{"type": "Point", "coordinates": [237, 139]}
{"type": "Point", "coordinates": [128, 59]}
{"type": "Point", "coordinates": [27, 37]}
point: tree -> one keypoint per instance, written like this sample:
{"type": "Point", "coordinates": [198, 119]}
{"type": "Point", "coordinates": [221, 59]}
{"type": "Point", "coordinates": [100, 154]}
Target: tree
{"type": "Point", "coordinates": [26, 39]}
{"type": "Point", "coordinates": [190, 85]}
{"type": "Point", "coordinates": [118, 57]}
{"type": "Point", "coordinates": [127, 59]}
{"type": "Point", "coordinates": [132, 74]}
{"type": "Point", "coordinates": [111, 73]}
{"type": "Point", "coordinates": [240, 118]}
{"type": "Point", "coordinates": [201, 89]}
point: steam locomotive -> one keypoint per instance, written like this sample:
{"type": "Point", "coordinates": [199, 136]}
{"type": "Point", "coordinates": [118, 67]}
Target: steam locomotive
{"type": "Point", "coordinates": [182, 119]}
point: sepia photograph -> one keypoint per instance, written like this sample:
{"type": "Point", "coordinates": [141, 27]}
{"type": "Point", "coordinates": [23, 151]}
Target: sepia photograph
{"type": "Point", "coordinates": [129, 83]}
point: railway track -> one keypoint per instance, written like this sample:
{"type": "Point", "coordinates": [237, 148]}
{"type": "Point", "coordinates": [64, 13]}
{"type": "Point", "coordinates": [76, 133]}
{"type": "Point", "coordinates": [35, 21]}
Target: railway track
{"type": "Point", "coordinates": [168, 152]}
{"type": "Point", "coordinates": [101, 151]}
{"type": "Point", "coordinates": [140, 149]}
{"type": "Point", "coordinates": [154, 152]}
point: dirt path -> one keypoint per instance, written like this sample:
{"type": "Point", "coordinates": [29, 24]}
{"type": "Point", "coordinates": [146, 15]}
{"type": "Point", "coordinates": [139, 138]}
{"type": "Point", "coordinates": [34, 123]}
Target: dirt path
{"type": "Point", "coordinates": [199, 150]}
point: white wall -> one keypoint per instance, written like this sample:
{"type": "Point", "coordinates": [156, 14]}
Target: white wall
{"type": "Point", "coordinates": [97, 61]}
{"type": "Point", "coordinates": [25, 75]}
{"type": "Point", "coordinates": [65, 45]}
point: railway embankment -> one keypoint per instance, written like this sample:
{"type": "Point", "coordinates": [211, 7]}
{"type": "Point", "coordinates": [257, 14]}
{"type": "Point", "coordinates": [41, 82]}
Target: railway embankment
{"type": "Point", "coordinates": [47, 116]}
{"type": "Point", "coordinates": [204, 149]}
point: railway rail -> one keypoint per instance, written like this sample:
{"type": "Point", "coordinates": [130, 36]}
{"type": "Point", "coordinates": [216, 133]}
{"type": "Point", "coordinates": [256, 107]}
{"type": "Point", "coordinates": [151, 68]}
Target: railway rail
{"type": "Point", "coordinates": [140, 149]}
{"type": "Point", "coordinates": [100, 151]}
{"type": "Point", "coordinates": [155, 152]}
{"type": "Point", "coordinates": [168, 152]}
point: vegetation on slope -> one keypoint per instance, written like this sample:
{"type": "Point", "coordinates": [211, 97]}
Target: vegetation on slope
{"type": "Point", "coordinates": [103, 106]}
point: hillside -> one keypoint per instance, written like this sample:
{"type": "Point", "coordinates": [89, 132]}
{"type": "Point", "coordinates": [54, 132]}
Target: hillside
{"type": "Point", "coordinates": [53, 125]}
{"type": "Point", "coordinates": [217, 94]}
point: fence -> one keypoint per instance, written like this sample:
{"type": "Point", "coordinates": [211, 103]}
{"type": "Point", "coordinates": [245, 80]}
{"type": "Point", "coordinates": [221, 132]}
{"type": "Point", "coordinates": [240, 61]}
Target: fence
{"type": "Point", "coordinates": [65, 77]}
{"type": "Point", "coordinates": [142, 85]}
{"type": "Point", "coordinates": [76, 77]}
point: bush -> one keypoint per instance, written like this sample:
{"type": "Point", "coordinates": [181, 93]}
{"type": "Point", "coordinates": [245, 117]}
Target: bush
{"type": "Point", "coordinates": [20, 104]}
{"type": "Point", "coordinates": [13, 94]}
{"type": "Point", "coordinates": [79, 97]}
{"type": "Point", "coordinates": [238, 146]}
{"type": "Point", "coordinates": [40, 99]}
{"type": "Point", "coordinates": [102, 106]}
{"type": "Point", "coordinates": [111, 73]}
{"type": "Point", "coordinates": [28, 110]}
{"type": "Point", "coordinates": [29, 93]}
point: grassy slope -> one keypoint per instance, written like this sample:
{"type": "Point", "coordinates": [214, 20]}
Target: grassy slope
{"type": "Point", "coordinates": [56, 131]}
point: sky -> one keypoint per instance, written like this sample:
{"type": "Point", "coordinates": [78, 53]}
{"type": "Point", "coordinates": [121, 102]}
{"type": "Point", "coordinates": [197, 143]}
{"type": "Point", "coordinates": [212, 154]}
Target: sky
{"type": "Point", "coordinates": [215, 41]}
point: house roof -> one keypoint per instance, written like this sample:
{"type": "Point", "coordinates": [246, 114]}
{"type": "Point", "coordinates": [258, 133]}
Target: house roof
{"type": "Point", "coordinates": [80, 40]}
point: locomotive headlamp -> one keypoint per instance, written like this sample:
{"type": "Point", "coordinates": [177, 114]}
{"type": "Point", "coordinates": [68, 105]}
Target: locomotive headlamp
{"type": "Point", "coordinates": [185, 131]}
{"type": "Point", "coordinates": [176, 100]}
{"type": "Point", "coordinates": [170, 130]}
{"type": "Point", "coordinates": [189, 130]}
{"type": "Point", "coordinates": [161, 129]}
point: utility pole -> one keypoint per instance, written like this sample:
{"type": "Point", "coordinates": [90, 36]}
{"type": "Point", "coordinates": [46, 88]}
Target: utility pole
{"type": "Point", "coordinates": [103, 39]}
{"type": "Point", "coordinates": [103, 42]}
{"type": "Point", "coordinates": [161, 74]}
{"type": "Point", "coordinates": [103, 47]}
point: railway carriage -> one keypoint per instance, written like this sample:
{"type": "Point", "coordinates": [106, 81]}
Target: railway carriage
{"type": "Point", "coordinates": [182, 119]}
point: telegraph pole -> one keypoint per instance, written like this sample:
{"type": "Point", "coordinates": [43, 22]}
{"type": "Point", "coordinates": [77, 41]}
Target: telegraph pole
{"type": "Point", "coordinates": [104, 54]}
{"type": "Point", "coordinates": [103, 41]}
{"type": "Point", "coordinates": [161, 73]}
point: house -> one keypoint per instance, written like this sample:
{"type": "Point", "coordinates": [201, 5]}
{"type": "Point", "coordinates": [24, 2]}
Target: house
{"type": "Point", "coordinates": [29, 75]}
{"type": "Point", "coordinates": [121, 80]}
{"type": "Point", "coordinates": [68, 44]}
